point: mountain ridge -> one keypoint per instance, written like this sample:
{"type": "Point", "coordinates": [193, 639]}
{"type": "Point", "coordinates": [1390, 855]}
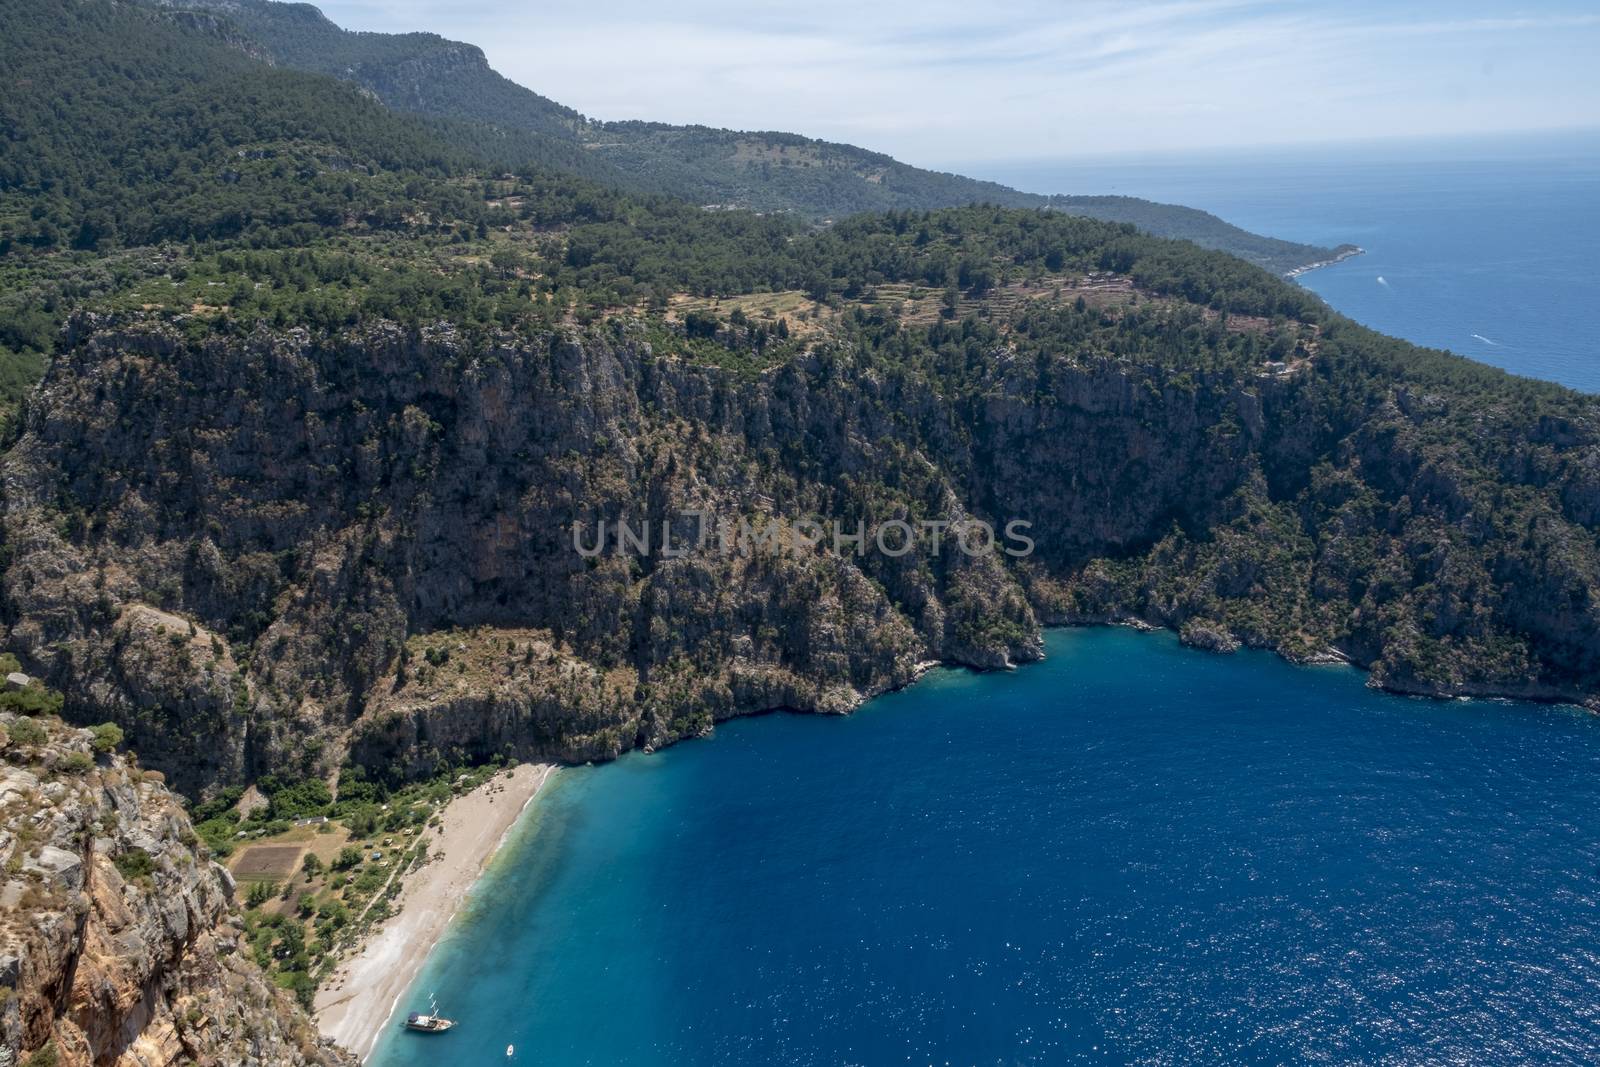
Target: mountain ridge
{"type": "Point", "coordinates": [427, 74]}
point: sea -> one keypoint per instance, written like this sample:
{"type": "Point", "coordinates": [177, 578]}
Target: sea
{"type": "Point", "coordinates": [1485, 247]}
{"type": "Point", "coordinates": [1132, 852]}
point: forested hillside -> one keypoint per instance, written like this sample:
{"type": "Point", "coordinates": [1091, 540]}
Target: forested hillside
{"type": "Point", "coordinates": [298, 489]}
{"type": "Point", "coordinates": [129, 126]}
{"type": "Point", "coordinates": [766, 171]}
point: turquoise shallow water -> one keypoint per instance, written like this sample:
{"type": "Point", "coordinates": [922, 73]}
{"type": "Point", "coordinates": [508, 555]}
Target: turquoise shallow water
{"type": "Point", "coordinates": [1132, 852]}
{"type": "Point", "coordinates": [1483, 247]}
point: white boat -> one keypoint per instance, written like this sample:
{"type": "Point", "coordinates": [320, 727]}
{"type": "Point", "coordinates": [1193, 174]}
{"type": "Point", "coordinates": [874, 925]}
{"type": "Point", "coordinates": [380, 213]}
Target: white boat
{"type": "Point", "coordinates": [430, 1021]}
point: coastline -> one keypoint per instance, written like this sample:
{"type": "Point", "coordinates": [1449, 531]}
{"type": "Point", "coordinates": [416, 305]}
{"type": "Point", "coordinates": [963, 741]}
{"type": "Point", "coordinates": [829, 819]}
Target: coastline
{"type": "Point", "coordinates": [363, 992]}
{"type": "Point", "coordinates": [1339, 256]}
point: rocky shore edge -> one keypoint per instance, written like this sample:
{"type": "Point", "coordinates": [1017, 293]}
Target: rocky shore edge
{"type": "Point", "coordinates": [1340, 254]}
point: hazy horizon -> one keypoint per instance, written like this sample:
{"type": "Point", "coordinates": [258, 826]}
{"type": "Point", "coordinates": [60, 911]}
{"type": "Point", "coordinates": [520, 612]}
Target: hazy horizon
{"type": "Point", "coordinates": [1028, 173]}
{"type": "Point", "coordinates": [939, 82]}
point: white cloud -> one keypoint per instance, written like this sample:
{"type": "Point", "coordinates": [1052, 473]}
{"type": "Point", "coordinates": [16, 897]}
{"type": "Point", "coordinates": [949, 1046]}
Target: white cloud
{"type": "Point", "coordinates": [938, 80]}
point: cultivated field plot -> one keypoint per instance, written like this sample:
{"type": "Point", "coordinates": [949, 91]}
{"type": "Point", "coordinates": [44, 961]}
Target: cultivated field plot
{"type": "Point", "coordinates": [260, 863]}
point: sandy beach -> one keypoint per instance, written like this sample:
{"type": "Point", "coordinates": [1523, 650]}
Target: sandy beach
{"type": "Point", "coordinates": [358, 999]}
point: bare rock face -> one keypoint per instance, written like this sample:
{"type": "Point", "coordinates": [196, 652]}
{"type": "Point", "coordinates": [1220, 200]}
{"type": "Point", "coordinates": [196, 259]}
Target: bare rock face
{"type": "Point", "coordinates": [118, 941]}
{"type": "Point", "coordinates": [265, 546]}
{"type": "Point", "coordinates": [473, 693]}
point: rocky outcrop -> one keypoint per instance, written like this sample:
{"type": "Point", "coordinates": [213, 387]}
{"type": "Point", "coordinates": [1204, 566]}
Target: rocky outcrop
{"type": "Point", "coordinates": [119, 944]}
{"type": "Point", "coordinates": [1207, 635]}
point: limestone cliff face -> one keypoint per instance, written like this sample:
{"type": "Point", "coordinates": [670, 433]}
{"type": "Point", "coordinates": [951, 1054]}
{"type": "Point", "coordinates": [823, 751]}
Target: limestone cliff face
{"type": "Point", "coordinates": [118, 941]}
{"type": "Point", "coordinates": [245, 550]}
{"type": "Point", "coordinates": [227, 546]}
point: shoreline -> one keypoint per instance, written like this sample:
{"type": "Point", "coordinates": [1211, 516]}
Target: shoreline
{"type": "Point", "coordinates": [363, 993]}
{"type": "Point", "coordinates": [1533, 693]}
{"type": "Point", "coordinates": [1339, 257]}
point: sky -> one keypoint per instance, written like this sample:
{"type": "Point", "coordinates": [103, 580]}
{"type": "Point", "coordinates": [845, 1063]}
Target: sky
{"type": "Point", "coordinates": [938, 81]}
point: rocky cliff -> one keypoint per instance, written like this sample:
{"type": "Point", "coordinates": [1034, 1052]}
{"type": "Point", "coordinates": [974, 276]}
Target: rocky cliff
{"type": "Point", "coordinates": [118, 939]}
{"type": "Point", "coordinates": [241, 564]}
{"type": "Point", "coordinates": [276, 551]}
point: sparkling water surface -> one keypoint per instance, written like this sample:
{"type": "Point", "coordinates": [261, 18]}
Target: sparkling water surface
{"type": "Point", "coordinates": [1131, 852]}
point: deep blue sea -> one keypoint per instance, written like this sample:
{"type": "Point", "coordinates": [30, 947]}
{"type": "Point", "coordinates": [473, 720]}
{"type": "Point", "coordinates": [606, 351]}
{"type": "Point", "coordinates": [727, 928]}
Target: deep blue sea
{"type": "Point", "coordinates": [1486, 248]}
{"type": "Point", "coordinates": [1132, 852]}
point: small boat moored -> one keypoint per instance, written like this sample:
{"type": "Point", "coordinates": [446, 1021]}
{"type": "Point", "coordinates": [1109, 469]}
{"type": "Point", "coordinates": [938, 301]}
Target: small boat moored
{"type": "Point", "coordinates": [429, 1022]}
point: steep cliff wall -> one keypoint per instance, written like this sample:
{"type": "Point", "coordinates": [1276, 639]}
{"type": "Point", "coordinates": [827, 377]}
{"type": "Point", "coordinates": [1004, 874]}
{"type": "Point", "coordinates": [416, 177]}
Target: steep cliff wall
{"type": "Point", "coordinates": [262, 552]}
{"type": "Point", "coordinates": [118, 942]}
{"type": "Point", "coordinates": [226, 546]}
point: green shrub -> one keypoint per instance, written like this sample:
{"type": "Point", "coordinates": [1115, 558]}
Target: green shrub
{"type": "Point", "coordinates": [259, 893]}
{"type": "Point", "coordinates": [33, 699]}
{"type": "Point", "coordinates": [296, 800]}
{"type": "Point", "coordinates": [134, 864]}
{"type": "Point", "coordinates": [45, 1057]}
{"type": "Point", "coordinates": [27, 732]}
{"type": "Point", "coordinates": [107, 736]}
{"type": "Point", "coordinates": [77, 763]}
{"type": "Point", "coordinates": [218, 833]}
{"type": "Point", "coordinates": [219, 806]}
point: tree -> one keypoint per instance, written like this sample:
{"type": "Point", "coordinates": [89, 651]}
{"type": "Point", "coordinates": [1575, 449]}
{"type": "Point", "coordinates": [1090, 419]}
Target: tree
{"type": "Point", "coordinates": [107, 736]}
{"type": "Point", "coordinates": [298, 800]}
{"type": "Point", "coordinates": [311, 865]}
{"type": "Point", "coordinates": [976, 277]}
{"type": "Point", "coordinates": [505, 261]}
{"type": "Point", "coordinates": [32, 699]}
{"type": "Point", "coordinates": [950, 303]}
